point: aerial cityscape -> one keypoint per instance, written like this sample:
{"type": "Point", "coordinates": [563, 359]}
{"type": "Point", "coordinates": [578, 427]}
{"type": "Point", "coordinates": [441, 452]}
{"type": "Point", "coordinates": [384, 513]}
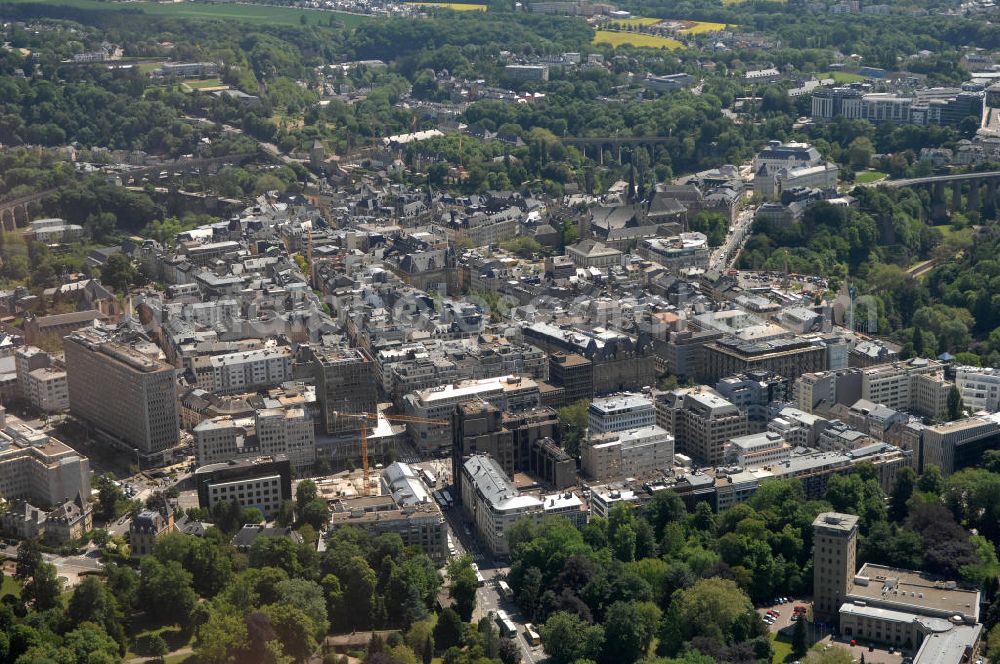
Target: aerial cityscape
{"type": "Point", "coordinates": [499, 332]}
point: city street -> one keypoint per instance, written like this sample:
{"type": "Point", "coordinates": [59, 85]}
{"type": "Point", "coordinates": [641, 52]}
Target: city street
{"type": "Point", "coordinates": [487, 598]}
{"type": "Point", "coordinates": [725, 255]}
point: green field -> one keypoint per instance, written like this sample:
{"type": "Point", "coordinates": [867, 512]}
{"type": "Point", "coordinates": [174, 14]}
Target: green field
{"type": "Point", "coordinates": [205, 83]}
{"type": "Point", "coordinates": [249, 13]}
{"type": "Point", "coordinates": [782, 648]}
{"type": "Point", "coordinates": [841, 76]}
{"type": "Point", "coordinates": [866, 177]}
{"type": "Point", "coordinates": [454, 6]}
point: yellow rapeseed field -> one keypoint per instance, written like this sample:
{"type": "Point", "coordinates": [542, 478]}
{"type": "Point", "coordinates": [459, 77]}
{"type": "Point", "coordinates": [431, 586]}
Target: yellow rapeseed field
{"type": "Point", "coordinates": [635, 39]}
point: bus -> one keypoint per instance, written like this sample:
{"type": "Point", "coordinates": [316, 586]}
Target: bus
{"type": "Point", "coordinates": [447, 497]}
{"type": "Point", "coordinates": [439, 499]}
{"type": "Point", "coordinates": [428, 477]}
{"type": "Point", "coordinates": [531, 636]}
{"type": "Point", "coordinates": [503, 589]}
{"type": "Point", "coordinates": [506, 625]}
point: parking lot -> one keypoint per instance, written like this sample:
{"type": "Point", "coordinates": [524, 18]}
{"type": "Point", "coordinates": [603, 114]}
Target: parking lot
{"type": "Point", "coordinates": [783, 622]}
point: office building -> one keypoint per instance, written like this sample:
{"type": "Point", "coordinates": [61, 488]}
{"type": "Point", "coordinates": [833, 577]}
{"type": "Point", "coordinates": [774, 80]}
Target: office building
{"type": "Point", "coordinates": [26, 360]}
{"type": "Point", "coordinates": [952, 446]}
{"type": "Point", "coordinates": [345, 383]}
{"type": "Point", "coordinates": [38, 468]}
{"type": "Point", "coordinates": [136, 404]}
{"type": "Point", "coordinates": [527, 427]}
{"type": "Point", "coordinates": [701, 421]}
{"type": "Point", "coordinates": [686, 250]}
{"type": "Point", "coordinates": [478, 429]}
{"type": "Point", "coordinates": [789, 357]}
{"type": "Point", "coordinates": [758, 449]}
{"type": "Point", "coordinates": [980, 388]}
{"type": "Point", "coordinates": [931, 106]}
{"type": "Point", "coordinates": [420, 525]}
{"type": "Point", "coordinates": [917, 386]}
{"type": "Point", "coordinates": [896, 607]}
{"type": "Point", "coordinates": [47, 389]}
{"type": "Point", "coordinates": [549, 463]}
{"type": "Point", "coordinates": [263, 482]}
{"type": "Point", "coordinates": [509, 393]}
{"type": "Point", "coordinates": [753, 393]}
{"type": "Point", "coordinates": [247, 371]}
{"type": "Point", "coordinates": [289, 431]}
{"type": "Point", "coordinates": [620, 413]}
{"type": "Point", "coordinates": [271, 431]}
{"type": "Point", "coordinates": [835, 538]}
{"type": "Point", "coordinates": [629, 453]}
{"type": "Point", "coordinates": [527, 72]}
{"type": "Point", "coordinates": [493, 504]}
{"type": "Point", "coordinates": [574, 373]}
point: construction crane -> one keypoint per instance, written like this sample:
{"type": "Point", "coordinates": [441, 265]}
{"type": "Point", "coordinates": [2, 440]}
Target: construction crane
{"type": "Point", "coordinates": [365, 418]}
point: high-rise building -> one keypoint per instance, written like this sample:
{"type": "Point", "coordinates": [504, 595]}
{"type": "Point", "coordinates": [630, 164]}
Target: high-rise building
{"type": "Point", "coordinates": [261, 482]}
{"type": "Point", "coordinates": [129, 396]}
{"type": "Point", "coordinates": [345, 383]}
{"type": "Point", "coordinates": [835, 540]}
{"type": "Point", "coordinates": [574, 373]}
{"type": "Point", "coordinates": [478, 429]}
{"type": "Point", "coordinates": [493, 504]}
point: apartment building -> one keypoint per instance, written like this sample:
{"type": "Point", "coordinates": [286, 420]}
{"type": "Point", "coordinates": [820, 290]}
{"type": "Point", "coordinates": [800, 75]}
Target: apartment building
{"type": "Point", "coordinates": [263, 482]}
{"type": "Point", "coordinates": [136, 404]}
{"type": "Point", "coordinates": [493, 504]}
{"type": "Point", "coordinates": [509, 393]}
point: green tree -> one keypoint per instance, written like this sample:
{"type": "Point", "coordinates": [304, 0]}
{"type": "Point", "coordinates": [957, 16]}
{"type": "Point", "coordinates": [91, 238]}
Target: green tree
{"type": "Point", "coordinates": [449, 631]}
{"type": "Point", "coordinates": [463, 587]}
{"type": "Point", "coordinates": [902, 490]}
{"type": "Point", "coordinates": [44, 588]}
{"type": "Point", "coordinates": [799, 643]}
{"type": "Point", "coordinates": [629, 628]}
{"type": "Point", "coordinates": [165, 590]}
{"type": "Point", "coordinates": [568, 638]}
{"type": "Point", "coordinates": [714, 608]}
{"type": "Point", "coordinates": [954, 403]}
{"type": "Point", "coordinates": [119, 273]}
{"type": "Point", "coordinates": [427, 655]}
{"type": "Point", "coordinates": [931, 481]}
{"type": "Point", "coordinates": [572, 425]}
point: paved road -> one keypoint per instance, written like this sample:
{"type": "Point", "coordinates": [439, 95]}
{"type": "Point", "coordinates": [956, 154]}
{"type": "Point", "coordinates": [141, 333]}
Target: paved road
{"type": "Point", "coordinates": [487, 598]}
{"type": "Point", "coordinates": [725, 256]}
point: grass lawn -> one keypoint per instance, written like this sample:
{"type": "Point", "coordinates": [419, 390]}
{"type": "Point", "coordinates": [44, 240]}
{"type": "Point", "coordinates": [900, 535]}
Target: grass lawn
{"type": "Point", "coordinates": [782, 650]}
{"type": "Point", "coordinates": [269, 14]}
{"type": "Point", "coordinates": [948, 231]}
{"type": "Point", "coordinates": [635, 39]}
{"type": "Point", "coordinates": [454, 6]}
{"type": "Point", "coordinates": [172, 634]}
{"type": "Point", "coordinates": [10, 587]}
{"type": "Point", "coordinates": [841, 76]}
{"type": "Point", "coordinates": [865, 177]}
{"type": "Point", "coordinates": [701, 27]}
{"type": "Point", "coordinates": [727, 3]}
